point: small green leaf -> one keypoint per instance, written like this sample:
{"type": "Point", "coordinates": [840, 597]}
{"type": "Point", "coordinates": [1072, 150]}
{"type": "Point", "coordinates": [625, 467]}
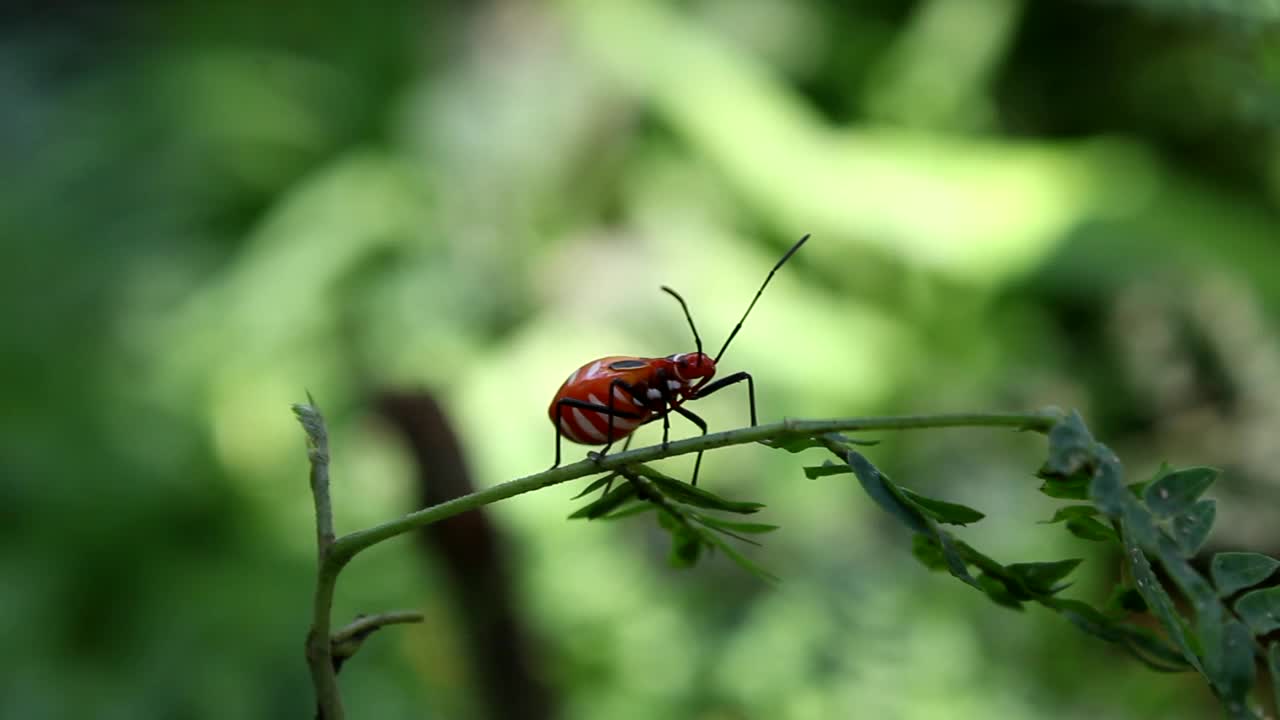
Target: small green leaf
{"type": "Point", "coordinates": [956, 564]}
{"type": "Point", "coordinates": [1273, 666]}
{"type": "Point", "coordinates": [1261, 609]}
{"type": "Point", "coordinates": [606, 504]}
{"type": "Point", "coordinates": [741, 560]}
{"type": "Point", "coordinates": [1158, 600]}
{"type": "Point", "coordinates": [943, 512]}
{"type": "Point", "coordinates": [826, 469]}
{"type": "Point", "coordinates": [743, 527]}
{"type": "Point", "coordinates": [642, 506]}
{"type": "Point", "coordinates": [1043, 577]}
{"type": "Point", "coordinates": [1191, 529]}
{"type": "Point", "coordinates": [1087, 528]}
{"type": "Point", "coordinates": [878, 487]}
{"type": "Point", "coordinates": [686, 546]}
{"type": "Point", "coordinates": [995, 589]}
{"type": "Point", "coordinates": [927, 550]}
{"type": "Point", "coordinates": [1126, 600]}
{"type": "Point", "coordinates": [1141, 643]}
{"type": "Point", "coordinates": [1069, 512]}
{"type": "Point", "coordinates": [1234, 673]}
{"type": "Point", "coordinates": [1073, 488]}
{"type": "Point", "coordinates": [1174, 493]}
{"type": "Point", "coordinates": [1235, 571]}
{"type": "Point", "coordinates": [599, 483]}
{"type": "Point", "coordinates": [696, 496]}
{"type": "Point", "coordinates": [1139, 488]}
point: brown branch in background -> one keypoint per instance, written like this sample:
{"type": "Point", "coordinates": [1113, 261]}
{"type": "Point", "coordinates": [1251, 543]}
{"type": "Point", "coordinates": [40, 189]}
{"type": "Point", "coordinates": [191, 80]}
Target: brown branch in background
{"type": "Point", "coordinates": [470, 550]}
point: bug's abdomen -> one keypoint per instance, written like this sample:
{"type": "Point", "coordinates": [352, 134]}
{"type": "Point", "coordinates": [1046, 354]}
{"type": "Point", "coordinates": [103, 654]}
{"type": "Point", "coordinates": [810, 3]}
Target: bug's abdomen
{"type": "Point", "coordinates": [592, 383]}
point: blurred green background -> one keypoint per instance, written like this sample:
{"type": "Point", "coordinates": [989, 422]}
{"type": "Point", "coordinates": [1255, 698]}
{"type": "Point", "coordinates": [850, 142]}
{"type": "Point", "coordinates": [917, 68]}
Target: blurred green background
{"type": "Point", "coordinates": [210, 208]}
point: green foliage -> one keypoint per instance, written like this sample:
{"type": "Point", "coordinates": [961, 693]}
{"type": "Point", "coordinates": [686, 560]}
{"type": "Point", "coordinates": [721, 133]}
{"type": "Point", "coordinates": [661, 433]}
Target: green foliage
{"type": "Point", "coordinates": [1163, 521]}
{"type": "Point", "coordinates": [680, 510]}
{"type": "Point", "coordinates": [1234, 571]}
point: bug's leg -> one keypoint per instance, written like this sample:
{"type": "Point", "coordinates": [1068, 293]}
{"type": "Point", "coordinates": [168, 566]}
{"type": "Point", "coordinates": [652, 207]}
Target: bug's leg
{"type": "Point", "coordinates": [612, 413]}
{"type": "Point", "coordinates": [702, 425]}
{"type": "Point", "coordinates": [556, 427]}
{"type": "Point", "coordinates": [729, 380]}
{"type": "Point", "coordinates": [584, 405]}
{"type": "Point", "coordinates": [609, 485]}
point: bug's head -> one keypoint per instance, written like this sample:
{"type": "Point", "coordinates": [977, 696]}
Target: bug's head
{"type": "Point", "coordinates": [693, 367]}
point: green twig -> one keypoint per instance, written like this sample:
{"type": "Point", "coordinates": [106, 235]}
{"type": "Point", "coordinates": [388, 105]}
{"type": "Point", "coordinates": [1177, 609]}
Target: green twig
{"type": "Point", "coordinates": [347, 546]}
{"type": "Point", "coordinates": [335, 553]}
{"type": "Point", "coordinates": [318, 649]}
{"type": "Point", "coordinates": [347, 641]}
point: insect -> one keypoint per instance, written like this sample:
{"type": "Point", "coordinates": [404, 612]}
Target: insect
{"type": "Point", "coordinates": [607, 399]}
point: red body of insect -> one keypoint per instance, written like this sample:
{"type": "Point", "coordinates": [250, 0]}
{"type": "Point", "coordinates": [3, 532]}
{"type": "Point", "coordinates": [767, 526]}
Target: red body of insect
{"type": "Point", "coordinates": [607, 399]}
{"type": "Point", "coordinates": [594, 382]}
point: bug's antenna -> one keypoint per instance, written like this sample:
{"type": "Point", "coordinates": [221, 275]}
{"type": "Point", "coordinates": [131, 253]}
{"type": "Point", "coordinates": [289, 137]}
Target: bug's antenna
{"type": "Point", "coordinates": [738, 327]}
{"type": "Point", "coordinates": [697, 340]}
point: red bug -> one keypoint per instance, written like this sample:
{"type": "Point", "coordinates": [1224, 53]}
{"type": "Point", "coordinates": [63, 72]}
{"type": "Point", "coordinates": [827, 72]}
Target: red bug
{"type": "Point", "coordinates": [607, 399]}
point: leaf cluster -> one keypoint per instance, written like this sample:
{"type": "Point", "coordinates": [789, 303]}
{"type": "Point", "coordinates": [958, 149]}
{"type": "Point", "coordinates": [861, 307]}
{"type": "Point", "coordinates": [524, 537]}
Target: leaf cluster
{"type": "Point", "coordinates": [1218, 626]}
{"type": "Point", "coordinates": [684, 511]}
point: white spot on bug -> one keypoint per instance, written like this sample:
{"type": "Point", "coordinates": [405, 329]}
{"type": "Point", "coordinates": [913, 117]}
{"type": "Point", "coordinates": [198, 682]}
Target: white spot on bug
{"type": "Point", "coordinates": [673, 385]}
{"type": "Point", "coordinates": [572, 376]}
{"type": "Point", "coordinates": [593, 371]}
{"type": "Point", "coordinates": [624, 425]}
{"type": "Point", "coordinates": [653, 394]}
{"type": "Point", "coordinates": [621, 397]}
{"type": "Point", "coordinates": [567, 430]}
{"type": "Point", "coordinates": [588, 430]}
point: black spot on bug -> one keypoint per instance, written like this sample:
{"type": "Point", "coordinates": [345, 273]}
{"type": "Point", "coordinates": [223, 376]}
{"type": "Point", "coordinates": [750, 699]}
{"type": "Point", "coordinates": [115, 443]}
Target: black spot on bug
{"type": "Point", "coordinates": [627, 364]}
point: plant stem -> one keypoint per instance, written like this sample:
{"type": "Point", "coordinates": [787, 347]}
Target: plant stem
{"type": "Point", "coordinates": [347, 546]}
{"type": "Point", "coordinates": [318, 649]}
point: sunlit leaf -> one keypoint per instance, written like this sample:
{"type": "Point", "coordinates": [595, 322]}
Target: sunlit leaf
{"type": "Point", "coordinates": [1234, 571]}
{"type": "Point", "coordinates": [942, 511]}
{"type": "Point", "coordinates": [1175, 492]}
